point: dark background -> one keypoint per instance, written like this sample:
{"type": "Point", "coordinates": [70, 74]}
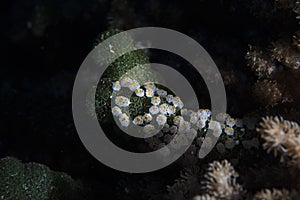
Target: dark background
{"type": "Point", "coordinates": [43, 43]}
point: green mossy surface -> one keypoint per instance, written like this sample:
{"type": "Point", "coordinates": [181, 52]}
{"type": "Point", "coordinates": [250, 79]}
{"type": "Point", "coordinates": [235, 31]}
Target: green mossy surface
{"type": "Point", "coordinates": [33, 181]}
{"type": "Point", "coordinates": [133, 64]}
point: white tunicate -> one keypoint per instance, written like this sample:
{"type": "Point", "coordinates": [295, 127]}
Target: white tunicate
{"type": "Point", "coordinates": [193, 114]}
{"type": "Point", "coordinates": [200, 124]}
{"type": "Point", "coordinates": [178, 141]}
{"type": "Point", "coordinates": [166, 128]}
{"type": "Point", "coordinates": [177, 102]}
{"type": "Point", "coordinates": [161, 93]}
{"type": "Point", "coordinates": [150, 86]}
{"type": "Point", "coordinates": [171, 110]}
{"type": "Point", "coordinates": [230, 122]}
{"type": "Point", "coordinates": [177, 120]}
{"type": "Point", "coordinates": [213, 125]}
{"type": "Point", "coordinates": [161, 119]}
{"type": "Point", "coordinates": [163, 108]}
{"type": "Point", "coordinates": [169, 98]}
{"type": "Point", "coordinates": [173, 129]}
{"type": "Point", "coordinates": [133, 85]}
{"type": "Point", "coordinates": [124, 120]}
{"type": "Point", "coordinates": [184, 126]}
{"type": "Point", "coordinates": [217, 132]}
{"type": "Point", "coordinates": [116, 86]}
{"type": "Point", "coordinates": [138, 120]}
{"type": "Point", "coordinates": [154, 110]}
{"type": "Point", "coordinates": [125, 80]}
{"type": "Point", "coordinates": [221, 117]}
{"type": "Point", "coordinates": [139, 92]}
{"type": "Point", "coordinates": [149, 129]}
{"type": "Point", "coordinates": [203, 117]}
{"type": "Point", "coordinates": [116, 111]}
{"type": "Point", "coordinates": [194, 119]}
{"type": "Point", "coordinates": [184, 112]}
{"type": "Point", "coordinates": [147, 117]}
{"type": "Point", "coordinates": [229, 131]}
{"type": "Point", "coordinates": [122, 101]}
{"type": "Point", "coordinates": [149, 93]}
{"type": "Point", "coordinates": [201, 111]}
{"type": "Point", "coordinates": [155, 100]}
{"type": "Point", "coordinates": [208, 112]}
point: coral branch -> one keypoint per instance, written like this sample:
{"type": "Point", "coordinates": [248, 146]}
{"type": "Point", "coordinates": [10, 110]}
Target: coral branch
{"type": "Point", "coordinates": [260, 64]}
{"type": "Point", "coordinates": [273, 194]}
{"type": "Point", "coordinates": [221, 181]}
{"type": "Point", "coordinates": [286, 54]}
{"type": "Point", "coordinates": [281, 137]}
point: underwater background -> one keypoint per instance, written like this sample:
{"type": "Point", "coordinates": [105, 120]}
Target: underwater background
{"type": "Point", "coordinates": [255, 45]}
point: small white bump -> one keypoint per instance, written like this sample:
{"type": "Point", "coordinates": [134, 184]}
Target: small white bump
{"type": "Point", "coordinates": [138, 120]}
{"type": "Point", "coordinates": [161, 119]}
{"type": "Point", "coordinates": [177, 102]}
{"type": "Point", "coordinates": [149, 93]}
{"type": "Point", "coordinates": [155, 100]}
{"type": "Point", "coordinates": [116, 86]}
{"type": "Point", "coordinates": [177, 120]}
{"type": "Point", "coordinates": [147, 117]}
{"type": "Point", "coordinates": [116, 111]}
{"type": "Point", "coordinates": [125, 80]}
{"type": "Point", "coordinates": [124, 120]}
{"type": "Point", "coordinates": [178, 141]}
{"type": "Point", "coordinates": [184, 126]}
{"type": "Point", "coordinates": [133, 85]}
{"type": "Point", "coordinates": [200, 124]}
{"type": "Point", "coordinates": [230, 122]}
{"type": "Point", "coordinates": [139, 92]}
{"type": "Point", "coordinates": [194, 119]}
{"type": "Point", "coordinates": [184, 112]}
{"type": "Point", "coordinates": [171, 110]}
{"type": "Point", "coordinates": [169, 98]}
{"type": "Point", "coordinates": [161, 93]}
{"type": "Point", "coordinates": [229, 131]}
{"type": "Point", "coordinates": [149, 129]}
{"type": "Point", "coordinates": [163, 108]}
{"type": "Point", "coordinates": [154, 110]}
{"type": "Point", "coordinates": [122, 101]}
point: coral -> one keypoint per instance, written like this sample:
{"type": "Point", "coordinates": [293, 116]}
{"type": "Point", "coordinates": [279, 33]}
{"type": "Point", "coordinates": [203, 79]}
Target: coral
{"type": "Point", "coordinates": [273, 194]}
{"type": "Point", "coordinates": [204, 197]}
{"type": "Point", "coordinates": [262, 65]}
{"type": "Point", "coordinates": [281, 137]}
{"type": "Point", "coordinates": [284, 52]}
{"type": "Point", "coordinates": [187, 186]}
{"type": "Point", "coordinates": [277, 62]}
{"type": "Point", "coordinates": [20, 181]}
{"type": "Point", "coordinates": [221, 181]}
